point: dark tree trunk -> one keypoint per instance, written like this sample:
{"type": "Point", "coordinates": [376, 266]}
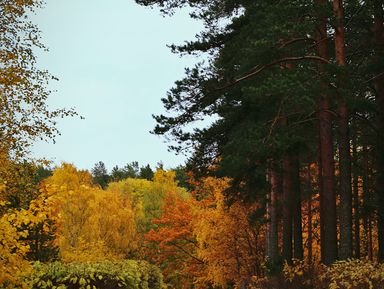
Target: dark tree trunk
{"type": "Point", "coordinates": [309, 215]}
{"type": "Point", "coordinates": [356, 206]}
{"type": "Point", "coordinates": [345, 250]}
{"type": "Point", "coordinates": [370, 240]}
{"type": "Point", "coordinates": [366, 205]}
{"type": "Point", "coordinates": [288, 194]}
{"type": "Point", "coordinates": [320, 186]}
{"type": "Point", "coordinates": [327, 198]}
{"type": "Point", "coordinates": [379, 87]}
{"type": "Point", "coordinates": [273, 244]}
{"type": "Point", "coordinates": [297, 224]}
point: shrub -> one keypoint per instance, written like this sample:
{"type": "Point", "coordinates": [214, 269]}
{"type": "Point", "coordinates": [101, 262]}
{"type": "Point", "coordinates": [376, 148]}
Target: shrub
{"type": "Point", "coordinates": [354, 274]}
{"type": "Point", "coordinates": [128, 274]}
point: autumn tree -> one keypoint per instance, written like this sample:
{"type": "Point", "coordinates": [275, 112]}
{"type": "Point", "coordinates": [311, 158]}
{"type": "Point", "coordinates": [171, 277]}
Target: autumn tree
{"type": "Point", "coordinates": [231, 247]}
{"type": "Point", "coordinates": [25, 115]}
{"type": "Point", "coordinates": [92, 224]}
{"type": "Point", "coordinates": [16, 228]}
{"type": "Point", "coordinates": [171, 243]}
{"type": "Point", "coordinates": [202, 240]}
{"type": "Point", "coordinates": [13, 264]}
{"type": "Point", "coordinates": [24, 118]}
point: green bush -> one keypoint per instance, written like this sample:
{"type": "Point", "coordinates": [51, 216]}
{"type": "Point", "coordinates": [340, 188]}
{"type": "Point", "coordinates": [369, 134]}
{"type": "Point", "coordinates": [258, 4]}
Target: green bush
{"type": "Point", "coordinates": [128, 274]}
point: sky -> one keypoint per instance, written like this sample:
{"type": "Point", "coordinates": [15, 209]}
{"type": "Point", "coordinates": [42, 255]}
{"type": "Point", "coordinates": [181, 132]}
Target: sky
{"type": "Point", "coordinates": [113, 68]}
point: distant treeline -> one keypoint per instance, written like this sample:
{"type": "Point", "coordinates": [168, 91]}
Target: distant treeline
{"type": "Point", "coordinates": [132, 170]}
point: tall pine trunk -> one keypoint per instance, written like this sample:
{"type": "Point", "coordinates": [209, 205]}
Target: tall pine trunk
{"type": "Point", "coordinates": [288, 195]}
{"type": "Point", "coordinates": [327, 198]}
{"type": "Point", "coordinates": [345, 250]}
{"type": "Point", "coordinates": [356, 207]}
{"type": "Point", "coordinates": [273, 241]}
{"type": "Point", "coordinates": [366, 205]}
{"type": "Point", "coordinates": [370, 239]}
{"type": "Point", "coordinates": [297, 224]}
{"type": "Point", "coordinates": [321, 202]}
{"type": "Point", "coordinates": [379, 87]}
{"type": "Point", "coordinates": [309, 215]}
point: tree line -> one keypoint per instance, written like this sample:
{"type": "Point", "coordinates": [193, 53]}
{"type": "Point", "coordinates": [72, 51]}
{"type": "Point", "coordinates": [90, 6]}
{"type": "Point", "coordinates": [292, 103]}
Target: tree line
{"type": "Point", "coordinates": [135, 171]}
{"type": "Point", "coordinates": [298, 91]}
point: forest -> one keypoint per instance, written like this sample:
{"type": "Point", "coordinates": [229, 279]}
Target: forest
{"type": "Point", "coordinates": [283, 187]}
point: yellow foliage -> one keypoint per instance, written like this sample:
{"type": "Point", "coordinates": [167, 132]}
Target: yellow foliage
{"type": "Point", "coordinates": [348, 274]}
{"type": "Point", "coordinates": [86, 251]}
{"type": "Point", "coordinates": [228, 244]}
{"type": "Point", "coordinates": [67, 178]}
{"type": "Point", "coordinates": [92, 224]}
{"type": "Point", "coordinates": [17, 181]}
{"type": "Point", "coordinates": [147, 197]}
{"type": "Point", "coordinates": [354, 274]}
{"type": "Point", "coordinates": [113, 222]}
{"type": "Point", "coordinates": [14, 227]}
{"type": "Point", "coordinates": [295, 271]}
{"type": "Point", "coordinates": [13, 266]}
{"type": "Point", "coordinates": [165, 179]}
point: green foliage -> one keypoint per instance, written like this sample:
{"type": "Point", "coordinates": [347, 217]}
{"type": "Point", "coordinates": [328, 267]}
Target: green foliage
{"type": "Point", "coordinates": [131, 170]}
{"type": "Point", "coordinates": [41, 243]}
{"type": "Point", "coordinates": [146, 173]}
{"type": "Point", "coordinates": [147, 197]}
{"type": "Point", "coordinates": [255, 78]}
{"type": "Point", "coordinates": [42, 173]}
{"type": "Point", "coordinates": [182, 177]}
{"type": "Point", "coordinates": [273, 268]}
{"type": "Point", "coordinates": [100, 175]}
{"type": "Point", "coordinates": [21, 180]}
{"type": "Point", "coordinates": [124, 274]}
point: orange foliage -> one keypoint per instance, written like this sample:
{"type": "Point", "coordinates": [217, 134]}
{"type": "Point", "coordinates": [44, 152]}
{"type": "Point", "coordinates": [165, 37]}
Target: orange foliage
{"type": "Point", "coordinates": [231, 247]}
{"type": "Point", "coordinates": [206, 242]}
{"type": "Point", "coordinates": [172, 244]}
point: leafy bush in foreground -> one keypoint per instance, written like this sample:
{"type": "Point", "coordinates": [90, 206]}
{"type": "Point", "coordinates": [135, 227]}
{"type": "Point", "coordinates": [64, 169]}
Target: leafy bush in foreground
{"type": "Point", "coordinates": [102, 275]}
{"type": "Point", "coordinates": [349, 274]}
{"type": "Point", "coordinates": [355, 274]}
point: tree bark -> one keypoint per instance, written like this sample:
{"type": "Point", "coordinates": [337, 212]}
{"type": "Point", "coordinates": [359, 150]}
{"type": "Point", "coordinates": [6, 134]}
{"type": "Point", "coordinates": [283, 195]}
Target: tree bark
{"type": "Point", "coordinates": [321, 194]}
{"type": "Point", "coordinates": [273, 245]}
{"type": "Point", "coordinates": [379, 87]}
{"type": "Point", "coordinates": [309, 215]}
{"type": "Point", "coordinates": [345, 250]}
{"type": "Point", "coordinates": [327, 198]}
{"type": "Point", "coordinates": [288, 193]}
{"type": "Point", "coordinates": [356, 216]}
{"type": "Point", "coordinates": [297, 224]}
{"type": "Point", "coordinates": [366, 210]}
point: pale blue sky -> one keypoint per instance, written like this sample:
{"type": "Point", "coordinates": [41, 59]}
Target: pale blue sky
{"type": "Point", "coordinates": [114, 67]}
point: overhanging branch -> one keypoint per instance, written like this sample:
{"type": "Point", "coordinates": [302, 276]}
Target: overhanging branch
{"type": "Point", "coordinates": [258, 69]}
